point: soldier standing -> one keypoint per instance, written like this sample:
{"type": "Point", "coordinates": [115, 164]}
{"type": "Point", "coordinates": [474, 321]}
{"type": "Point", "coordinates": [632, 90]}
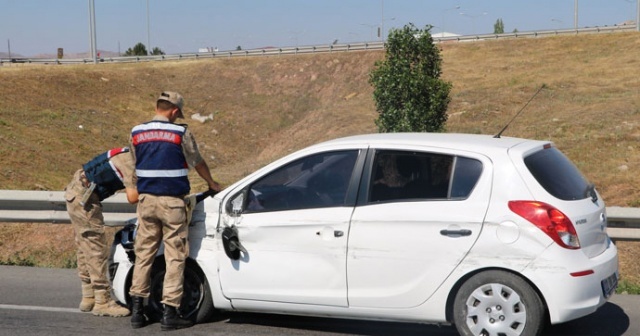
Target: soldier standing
{"type": "Point", "coordinates": [98, 179]}
{"type": "Point", "coordinates": [163, 152]}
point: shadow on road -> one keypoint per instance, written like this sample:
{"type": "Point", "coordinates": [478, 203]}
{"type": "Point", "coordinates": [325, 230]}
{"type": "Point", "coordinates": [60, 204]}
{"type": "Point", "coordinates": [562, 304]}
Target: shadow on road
{"type": "Point", "coordinates": [341, 326]}
{"type": "Point", "coordinates": [609, 320]}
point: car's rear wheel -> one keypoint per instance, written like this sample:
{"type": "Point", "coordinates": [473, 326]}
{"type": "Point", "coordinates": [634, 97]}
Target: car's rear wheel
{"type": "Point", "coordinates": [498, 303]}
{"type": "Point", "coordinates": [196, 303]}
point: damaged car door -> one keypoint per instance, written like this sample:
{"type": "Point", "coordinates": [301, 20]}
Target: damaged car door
{"type": "Point", "coordinates": [292, 223]}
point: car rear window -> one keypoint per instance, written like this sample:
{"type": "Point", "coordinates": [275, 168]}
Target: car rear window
{"type": "Point", "coordinates": [557, 174]}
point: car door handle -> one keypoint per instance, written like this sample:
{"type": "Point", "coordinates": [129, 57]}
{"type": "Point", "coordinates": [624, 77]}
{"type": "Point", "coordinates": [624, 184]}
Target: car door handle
{"type": "Point", "coordinates": [455, 233]}
{"type": "Point", "coordinates": [336, 233]}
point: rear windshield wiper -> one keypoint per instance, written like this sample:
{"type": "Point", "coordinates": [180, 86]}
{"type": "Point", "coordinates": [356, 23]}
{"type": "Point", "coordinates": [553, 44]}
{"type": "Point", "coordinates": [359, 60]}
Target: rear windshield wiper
{"type": "Point", "coordinates": [591, 192]}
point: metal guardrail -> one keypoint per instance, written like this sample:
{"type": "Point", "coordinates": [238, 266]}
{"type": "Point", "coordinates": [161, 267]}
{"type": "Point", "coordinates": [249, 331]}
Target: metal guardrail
{"type": "Point", "coordinates": [220, 54]}
{"type": "Point", "coordinates": [313, 49]}
{"type": "Point", "coordinates": [19, 206]}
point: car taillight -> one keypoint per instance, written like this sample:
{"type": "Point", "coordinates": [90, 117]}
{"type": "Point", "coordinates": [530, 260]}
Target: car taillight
{"type": "Point", "coordinates": [548, 219]}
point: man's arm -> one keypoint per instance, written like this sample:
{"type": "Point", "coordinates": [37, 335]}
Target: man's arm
{"type": "Point", "coordinates": [132, 195]}
{"type": "Point", "coordinates": [203, 170]}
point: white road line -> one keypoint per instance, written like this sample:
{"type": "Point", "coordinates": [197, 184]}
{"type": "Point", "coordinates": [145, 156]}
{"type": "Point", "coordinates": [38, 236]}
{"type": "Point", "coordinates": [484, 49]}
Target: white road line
{"type": "Point", "coordinates": [40, 308]}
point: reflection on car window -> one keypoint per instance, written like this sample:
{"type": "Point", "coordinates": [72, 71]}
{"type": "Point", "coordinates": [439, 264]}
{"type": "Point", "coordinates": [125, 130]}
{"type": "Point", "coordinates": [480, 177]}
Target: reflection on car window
{"type": "Point", "coordinates": [466, 175]}
{"type": "Point", "coordinates": [403, 175]}
{"type": "Point", "coordinates": [316, 181]}
{"type": "Point", "coordinates": [557, 174]}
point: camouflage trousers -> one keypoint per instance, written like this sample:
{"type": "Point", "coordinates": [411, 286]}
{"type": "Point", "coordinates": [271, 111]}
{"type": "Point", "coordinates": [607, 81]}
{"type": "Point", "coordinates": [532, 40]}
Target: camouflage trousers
{"type": "Point", "coordinates": [88, 225]}
{"type": "Point", "coordinates": [161, 219]}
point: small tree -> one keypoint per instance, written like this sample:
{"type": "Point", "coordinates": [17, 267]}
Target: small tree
{"type": "Point", "coordinates": [157, 51]}
{"type": "Point", "coordinates": [498, 27]}
{"type": "Point", "coordinates": [408, 91]}
{"type": "Point", "coordinates": [137, 50]}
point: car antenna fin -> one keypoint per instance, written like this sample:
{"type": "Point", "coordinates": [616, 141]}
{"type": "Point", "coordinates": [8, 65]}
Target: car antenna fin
{"type": "Point", "coordinates": [517, 114]}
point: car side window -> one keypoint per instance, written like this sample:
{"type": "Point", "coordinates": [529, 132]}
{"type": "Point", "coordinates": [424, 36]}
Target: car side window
{"type": "Point", "coordinates": [316, 181]}
{"type": "Point", "coordinates": [466, 175]}
{"type": "Point", "coordinates": [404, 175]}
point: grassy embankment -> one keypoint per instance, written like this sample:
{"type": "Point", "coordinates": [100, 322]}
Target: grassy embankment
{"type": "Point", "coordinates": [264, 108]}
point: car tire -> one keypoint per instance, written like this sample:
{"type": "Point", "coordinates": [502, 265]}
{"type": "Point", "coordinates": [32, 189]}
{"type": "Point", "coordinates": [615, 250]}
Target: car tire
{"type": "Point", "coordinates": [492, 303]}
{"type": "Point", "coordinates": [196, 304]}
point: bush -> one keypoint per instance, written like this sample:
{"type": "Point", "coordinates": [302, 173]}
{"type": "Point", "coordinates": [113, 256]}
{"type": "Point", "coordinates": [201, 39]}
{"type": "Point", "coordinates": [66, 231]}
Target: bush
{"type": "Point", "coordinates": [408, 91]}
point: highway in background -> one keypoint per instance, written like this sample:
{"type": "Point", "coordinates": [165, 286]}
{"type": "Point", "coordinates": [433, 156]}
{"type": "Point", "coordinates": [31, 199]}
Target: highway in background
{"type": "Point", "coordinates": [43, 301]}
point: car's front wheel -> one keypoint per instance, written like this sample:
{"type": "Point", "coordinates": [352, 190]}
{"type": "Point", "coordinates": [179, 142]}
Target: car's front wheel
{"type": "Point", "coordinates": [196, 303]}
{"type": "Point", "coordinates": [496, 303]}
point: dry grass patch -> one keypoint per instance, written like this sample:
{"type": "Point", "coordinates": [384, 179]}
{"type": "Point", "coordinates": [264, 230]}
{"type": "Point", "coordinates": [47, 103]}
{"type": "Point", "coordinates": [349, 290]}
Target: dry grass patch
{"type": "Point", "coordinates": [266, 107]}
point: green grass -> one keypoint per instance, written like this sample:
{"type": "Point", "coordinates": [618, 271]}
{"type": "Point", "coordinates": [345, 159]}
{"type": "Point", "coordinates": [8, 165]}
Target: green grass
{"type": "Point", "coordinates": [20, 261]}
{"type": "Point", "coordinates": [627, 287]}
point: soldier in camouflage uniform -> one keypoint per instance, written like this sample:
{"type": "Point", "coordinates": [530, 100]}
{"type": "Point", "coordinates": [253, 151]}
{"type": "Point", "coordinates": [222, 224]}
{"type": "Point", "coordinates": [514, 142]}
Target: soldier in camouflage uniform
{"type": "Point", "coordinates": [98, 179]}
{"type": "Point", "coordinates": [164, 152]}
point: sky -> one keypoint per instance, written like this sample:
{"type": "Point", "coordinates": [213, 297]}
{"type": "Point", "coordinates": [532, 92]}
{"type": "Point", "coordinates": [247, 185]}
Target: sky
{"type": "Point", "coordinates": [37, 27]}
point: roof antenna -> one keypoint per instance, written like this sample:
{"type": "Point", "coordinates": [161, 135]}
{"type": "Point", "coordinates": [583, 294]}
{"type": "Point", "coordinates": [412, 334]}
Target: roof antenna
{"type": "Point", "coordinates": [517, 114]}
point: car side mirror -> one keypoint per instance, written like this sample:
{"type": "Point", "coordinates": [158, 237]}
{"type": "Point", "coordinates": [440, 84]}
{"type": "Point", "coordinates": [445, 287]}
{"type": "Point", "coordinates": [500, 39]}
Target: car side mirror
{"type": "Point", "coordinates": [236, 204]}
{"type": "Point", "coordinates": [231, 243]}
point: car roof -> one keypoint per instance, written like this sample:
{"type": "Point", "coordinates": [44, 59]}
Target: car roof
{"type": "Point", "coordinates": [470, 142]}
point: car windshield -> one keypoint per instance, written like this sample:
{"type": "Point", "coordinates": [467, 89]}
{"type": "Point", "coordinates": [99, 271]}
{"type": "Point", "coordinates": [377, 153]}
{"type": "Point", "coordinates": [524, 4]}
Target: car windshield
{"type": "Point", "coordinates": [557, 175]}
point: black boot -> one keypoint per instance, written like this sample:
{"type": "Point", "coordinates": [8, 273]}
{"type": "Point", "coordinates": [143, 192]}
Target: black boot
{"type": "Point", "coordinates": [138, 320]}
{"type": "Point", "coordinates": [171, 320]}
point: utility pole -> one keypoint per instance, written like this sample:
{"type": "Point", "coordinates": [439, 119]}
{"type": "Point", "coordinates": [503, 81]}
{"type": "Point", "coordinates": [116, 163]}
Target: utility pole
{"type": "Point", "coordinates": [638, 16]}
{"type": "Point", "coordinates": [9, 45]}
{"type": "Point", "coordinates": [575, 14]}
{"type": "Point", "coordinates": [148, 31]}
{"type": "Point", "coordinates": [381, 32]}
{"type": "Point", "coordinates": [92, 31]}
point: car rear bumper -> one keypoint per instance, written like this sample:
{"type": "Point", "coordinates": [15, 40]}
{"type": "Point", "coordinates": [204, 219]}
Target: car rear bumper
{"type": "Point", "coordinates": [573, 285]}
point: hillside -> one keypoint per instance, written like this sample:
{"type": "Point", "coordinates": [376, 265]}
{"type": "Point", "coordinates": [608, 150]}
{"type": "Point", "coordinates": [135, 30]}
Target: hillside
{"type": "Point", "coordinates": [264, 108]}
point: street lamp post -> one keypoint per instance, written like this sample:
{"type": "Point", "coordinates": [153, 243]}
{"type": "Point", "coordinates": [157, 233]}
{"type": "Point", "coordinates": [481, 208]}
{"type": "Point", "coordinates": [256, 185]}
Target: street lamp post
{"type": "Point", "coordinates": [444, 12]}
{"type": "Point", "coordinates": [473, 19]}
{"type": "Point", "coordinates": [382, 34]}
{"type": "Point", "coordinates": [575, 14]}
{"type": "Point", "coordinates": [371, 26]}
{"type": "Point", "coordinates": [295, 35]}
{"type": "Point", "coordinates": [92, 31]}
{"type": "Point", "coordinates": [638, 16]}
{"type": "Point", "coordinates": [381, 20]}
{"type": "Point", "coordinates": [148, 31]}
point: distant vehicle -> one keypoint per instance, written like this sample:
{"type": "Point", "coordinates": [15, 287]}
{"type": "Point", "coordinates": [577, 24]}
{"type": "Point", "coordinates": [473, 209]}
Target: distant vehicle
{"type": "Point", "coordinates": [495, 235]}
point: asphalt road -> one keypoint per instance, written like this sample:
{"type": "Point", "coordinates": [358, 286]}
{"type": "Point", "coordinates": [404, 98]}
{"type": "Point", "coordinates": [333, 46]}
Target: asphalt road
{"type": "Point", "coordinates": [42, 301]}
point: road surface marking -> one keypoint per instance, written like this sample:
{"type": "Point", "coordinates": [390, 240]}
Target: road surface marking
{"type": "Point", "coordinates": [40, 308]}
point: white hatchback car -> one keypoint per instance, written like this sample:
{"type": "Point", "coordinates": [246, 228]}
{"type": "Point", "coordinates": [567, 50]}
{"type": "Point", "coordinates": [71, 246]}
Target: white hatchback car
{"type": "Point", "coordinates": [495, 235]}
